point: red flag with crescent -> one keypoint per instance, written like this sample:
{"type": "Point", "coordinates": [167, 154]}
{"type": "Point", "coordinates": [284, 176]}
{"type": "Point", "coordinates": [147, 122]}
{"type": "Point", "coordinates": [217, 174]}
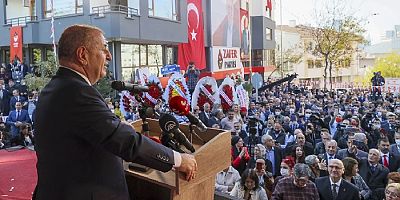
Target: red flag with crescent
{"type": "Point", "coordinates": [16, 43]}
{"type": "Point", "coordinates": [194, 49]}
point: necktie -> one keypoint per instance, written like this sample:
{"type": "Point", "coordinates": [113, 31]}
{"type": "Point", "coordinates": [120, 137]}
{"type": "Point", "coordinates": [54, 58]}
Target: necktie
{"type": "Point", "coordinates": [373, 169]}
{"type": "Point", "coordinates": [17, 115]}
{"type": "Point", "coordinates": [334, 192]}
{"type": "Point", "coordinates": [385, 161]}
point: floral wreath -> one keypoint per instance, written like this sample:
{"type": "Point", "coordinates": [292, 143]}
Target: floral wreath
{"type": "Point", "coordinates": [227, 94]}
{"type": "Point", "coordinates": [206, 91]}
{"type": "Point", "coordinates": [242, 96]}
{"type": "Point", "coordinates": [155, 91]}
{"type": "Point", "coordinates": [176, 86]}
{"type": "Point", "coordinates": [127, 100]}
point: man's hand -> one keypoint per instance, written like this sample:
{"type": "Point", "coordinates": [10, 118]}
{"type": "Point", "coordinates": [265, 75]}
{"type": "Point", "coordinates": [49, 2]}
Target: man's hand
{"type": "Point", "coordinates": [188, 166]}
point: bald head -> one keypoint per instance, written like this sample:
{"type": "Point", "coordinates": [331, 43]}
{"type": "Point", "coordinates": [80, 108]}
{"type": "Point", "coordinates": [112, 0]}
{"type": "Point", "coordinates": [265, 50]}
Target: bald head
{"type": "Point", "coordinates": [74, 37]}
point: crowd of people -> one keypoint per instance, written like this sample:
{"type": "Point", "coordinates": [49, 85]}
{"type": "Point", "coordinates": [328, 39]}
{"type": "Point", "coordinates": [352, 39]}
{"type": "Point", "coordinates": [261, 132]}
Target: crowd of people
{"type": "Point", "coordinates": [306, 143]}
{"type": "Point", "coordinates": [17, 105]}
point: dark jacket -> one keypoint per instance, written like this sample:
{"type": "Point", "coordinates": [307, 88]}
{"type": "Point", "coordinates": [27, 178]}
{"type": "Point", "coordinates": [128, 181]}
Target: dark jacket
{"type": "Point", "coordinates": [80, 143]}
{"type": "Point", "coordinates": [347, 191]}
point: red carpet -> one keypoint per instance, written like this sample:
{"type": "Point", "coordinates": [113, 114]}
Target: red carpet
{"type": "Point", "coordinates": [17, 174]}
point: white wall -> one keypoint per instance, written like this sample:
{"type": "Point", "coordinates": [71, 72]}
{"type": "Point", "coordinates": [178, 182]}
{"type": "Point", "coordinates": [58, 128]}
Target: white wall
{"type": "Point", "coordinates": [15, 8]}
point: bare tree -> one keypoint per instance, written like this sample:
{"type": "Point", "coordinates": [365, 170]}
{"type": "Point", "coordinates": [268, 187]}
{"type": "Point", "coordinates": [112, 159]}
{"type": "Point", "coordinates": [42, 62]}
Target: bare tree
{"type": "Point", "coordinates": [336, 35]}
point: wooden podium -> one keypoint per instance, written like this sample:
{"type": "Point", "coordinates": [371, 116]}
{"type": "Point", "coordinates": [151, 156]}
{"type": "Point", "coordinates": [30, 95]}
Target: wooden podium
{"type": "Point", "coordinates": [212, 157]}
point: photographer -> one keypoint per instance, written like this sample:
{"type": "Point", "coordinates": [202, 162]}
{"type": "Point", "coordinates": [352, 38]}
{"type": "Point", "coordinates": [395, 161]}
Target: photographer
{"type": "Point", "coordinates": [192, 74]}
{"type": "Point", "coordinates": [377, 81]}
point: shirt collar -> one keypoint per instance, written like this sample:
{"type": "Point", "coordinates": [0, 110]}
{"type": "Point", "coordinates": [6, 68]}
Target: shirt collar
{"type": "Point", "coordinates": [337, 183]}
{"type": "Point", "coordinates": [387, 154]}
{"type": "Point", "coordinates": [83, 76]}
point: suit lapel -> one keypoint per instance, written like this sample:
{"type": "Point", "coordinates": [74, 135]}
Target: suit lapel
{"type": "Point", "coordinates": [342, 190]}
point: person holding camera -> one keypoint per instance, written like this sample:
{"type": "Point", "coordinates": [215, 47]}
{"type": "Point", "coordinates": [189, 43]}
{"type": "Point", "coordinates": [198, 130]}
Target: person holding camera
{"type": "Point", "coordinates": [377, 81]}
{"type": "Point", "coordinates": [192, 74]}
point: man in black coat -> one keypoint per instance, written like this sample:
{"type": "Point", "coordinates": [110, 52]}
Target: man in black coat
{"type": "Point", "coordinates": [334, 187]}
{"type": "Point", "coordinates": [79, 141]}
{"type": "Point", "coordinates": [373, 173]}
{"type": "Point", "coordinates": [389, 160]}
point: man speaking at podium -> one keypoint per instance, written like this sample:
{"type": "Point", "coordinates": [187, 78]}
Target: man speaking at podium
{"type": "Point", "coordinates": [80, 142]}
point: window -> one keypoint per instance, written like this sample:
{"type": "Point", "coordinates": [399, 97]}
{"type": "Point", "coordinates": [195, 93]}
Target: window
{"type": "Point", "coordinates": [134, 56]}
{"type": "Point", "coordinates": [36, 55]}
{"type": "Point", "coordinates": [268, 33]}
{"type": "Point", "coordinates": [318, 64]}
{"type": "Point", "coordinates": [26, 3]}
{"type": "Point", "coordinates": [63, 7]}
{"type": "Point", "coordinates": [310, 64]}
{"type": "Point", "coordinates": [168, 9]}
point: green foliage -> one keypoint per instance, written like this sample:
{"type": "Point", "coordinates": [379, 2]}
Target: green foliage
{"type": "Point", "coordinates": [104, 86]}
{"type": "Point", "coordinates": [45, 70]}
{"type": "Point", "coordinates": [336, 36]}
{"type": "Point", "coordinates": [248, 87]}
{"type": "Point", "coordinates": [290, 57]}
{"type": "Point", "coordinates": [389, 66]}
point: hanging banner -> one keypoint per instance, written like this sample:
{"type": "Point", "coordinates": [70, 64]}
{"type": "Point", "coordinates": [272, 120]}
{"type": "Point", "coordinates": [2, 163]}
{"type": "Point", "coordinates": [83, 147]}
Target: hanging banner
{"type": "Point", "coordinates": [225, 58]}
{"type": "Point", "coordinates": [193, 51]}
{"type": "Point", "coordinates": [225, 23]}
{"type": "Point", "coordinates": [16, 43]}
{"type": "Point", "coordinates": [244, 35]}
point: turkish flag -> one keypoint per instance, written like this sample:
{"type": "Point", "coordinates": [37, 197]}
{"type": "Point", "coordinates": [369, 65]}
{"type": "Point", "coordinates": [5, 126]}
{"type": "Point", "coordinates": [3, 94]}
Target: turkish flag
{"type": "Point", "coordinates": [16, 43]}
{"type": "Point", "coordinates": [194, 49]}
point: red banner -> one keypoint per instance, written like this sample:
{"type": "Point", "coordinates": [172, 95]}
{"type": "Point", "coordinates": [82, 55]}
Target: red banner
{"type": "Point", "coordinates": [194, 49]}
{"type": "Point", "coordinates": [16, 43]}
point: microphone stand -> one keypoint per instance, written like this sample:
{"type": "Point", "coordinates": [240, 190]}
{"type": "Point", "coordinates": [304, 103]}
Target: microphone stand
{"type": "Point", "coordinates": [192, 132]}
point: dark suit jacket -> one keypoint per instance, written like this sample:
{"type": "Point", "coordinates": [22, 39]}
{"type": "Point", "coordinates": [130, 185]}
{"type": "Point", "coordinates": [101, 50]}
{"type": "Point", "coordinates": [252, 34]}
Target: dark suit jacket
{"type": "Point", "coordinates": [394, 150]}
{"type": "Point", "coordinates": [80, 143]}
{"type": "Point", "coordinates": [203, 117]}
{"type": "Point", "coordinates": [344, 153]}
{"type": "Point", "coordinates": [394, 162]}
{"type": "Point", "coordinates": [347, 191]}
{"type": "Point", "coordinates": [376, 180]}
{"type": "Point", "coordinates": [277, 164]}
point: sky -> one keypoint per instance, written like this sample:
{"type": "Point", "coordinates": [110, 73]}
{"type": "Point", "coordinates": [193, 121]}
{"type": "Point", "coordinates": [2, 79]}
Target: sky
{"type": "Point", "coordinates": [379, 15]}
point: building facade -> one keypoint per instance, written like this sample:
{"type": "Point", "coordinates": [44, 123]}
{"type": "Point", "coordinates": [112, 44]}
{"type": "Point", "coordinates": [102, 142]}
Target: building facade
{"type": "Point", "coordinates": [140, 33]}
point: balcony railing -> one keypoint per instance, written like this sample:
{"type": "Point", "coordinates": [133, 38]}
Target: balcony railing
{"type": "Point", "coordinates": [100, 10]}
{"type": "Point", "coordinates": [20, 21]}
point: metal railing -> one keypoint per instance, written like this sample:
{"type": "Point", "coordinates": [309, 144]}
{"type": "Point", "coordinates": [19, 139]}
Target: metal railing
{"type": "Point", "coordinates": [100, 10]}
{"type": "Point", "coordinates": [20, 21]}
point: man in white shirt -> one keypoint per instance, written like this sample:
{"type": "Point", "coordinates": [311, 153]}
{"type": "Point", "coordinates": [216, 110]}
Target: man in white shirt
{"type": "Point", "coordinates": [226, 179]}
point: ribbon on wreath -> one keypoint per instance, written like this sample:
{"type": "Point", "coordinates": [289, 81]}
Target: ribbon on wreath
{"type": "Point", "coordinates": [229, 101]}
{"type": "Point", "coordinates": [178, 89]}
{"type": "Point", "coordinates": [150, 98]}
{"type": "Point", "coordinates": [207, 93]}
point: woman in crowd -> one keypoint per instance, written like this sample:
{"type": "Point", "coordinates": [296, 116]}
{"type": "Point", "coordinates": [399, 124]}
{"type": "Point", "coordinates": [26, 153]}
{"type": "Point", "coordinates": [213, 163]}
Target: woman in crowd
{"type": "Point", "coordinates": [287, 165]}
{"type": "Point", "coordinates": [259, 152]}
{"type": "Point", "coordinates": [248, 188]}
{"type": "Point", "coordinates": [239, 153]}
{"type": "Point", "coordinates": [298, 153]}
{"type": "Point", "coordinates": [25, 138]}
{"type": "Point", "coordinates": [351, 175]}
{"type": "Point", "coordinates": [392, 191]}
{"type": "Point", "coordinates": [394, 177]}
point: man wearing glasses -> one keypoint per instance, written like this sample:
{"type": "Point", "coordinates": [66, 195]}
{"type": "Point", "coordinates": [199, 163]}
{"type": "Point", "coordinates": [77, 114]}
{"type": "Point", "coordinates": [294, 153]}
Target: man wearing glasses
{"type": "Point", "coordinates": [333, 187]}
{"type": "Point", "coordinates": [297, 187]}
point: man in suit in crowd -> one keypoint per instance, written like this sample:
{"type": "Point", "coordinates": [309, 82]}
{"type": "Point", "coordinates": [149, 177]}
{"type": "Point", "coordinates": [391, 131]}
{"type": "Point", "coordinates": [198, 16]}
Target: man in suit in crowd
{"type": "Point", "coordinates": [273, 154]}
{"type": "Point", "coordinates": [15, 119]}
{"type": "Point", "coordinates": [17, 98]}
{"type": "Point", "coordinates": [205, 115]}
{"type": "Point", "coordinates": [395, 148]}
{"type": "Point", "coordinates": [4, 99]}
{"type": "Point", "coordinates": [373, 173]}
{"type": "Point", "coordinates": [391, 161]}
{"type": "Point", "coordinates": [320, 146]}
{"type": "Point", "coordinates": [343, 153]}
{"type": "Point", "coordinates": [300, 140]}
{"type": "Point", "coordinates": [334, 187]}
{"type": "Point", "coordinates": [79, 141]}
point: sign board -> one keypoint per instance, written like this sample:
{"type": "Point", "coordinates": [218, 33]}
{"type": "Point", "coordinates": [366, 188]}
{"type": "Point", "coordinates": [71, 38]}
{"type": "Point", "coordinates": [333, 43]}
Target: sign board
{"type": "Point", "coordinates": [225, 58]}
{"type": "Point", "coordinates": [169, 69]}
{"type": "Point", "coordinates": [256, 80]}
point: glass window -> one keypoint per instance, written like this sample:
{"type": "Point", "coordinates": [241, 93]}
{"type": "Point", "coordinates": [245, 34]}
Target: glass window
{"type": "Point", "coordinates": [268, 33]}
{"type": "Point", "coordinates": [49, 54]}
{"type": "Point", "coordinates": [143, 55]}
{"type": "Point", "coordinates": [168, 9]}
{"type": "Point", "coordinates": [154, 54]}
{"type": "Point", "coordinates": [310, 64]}
{"type": "Point", "coordinates": [318, 63]}
{"type": "Point", "coordinates": [63, 7]}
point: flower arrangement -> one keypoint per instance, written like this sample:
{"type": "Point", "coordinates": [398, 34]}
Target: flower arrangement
{"type": "Point", "coordinates": [154, 92]}
{"type": "Point", "coordinates": [203, 98]}
{"type": "Point", "coordinates": [173, 92]}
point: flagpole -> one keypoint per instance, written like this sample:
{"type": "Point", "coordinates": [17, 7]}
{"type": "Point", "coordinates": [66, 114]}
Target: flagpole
{"type": "Point", "coordinates": [250, 46]}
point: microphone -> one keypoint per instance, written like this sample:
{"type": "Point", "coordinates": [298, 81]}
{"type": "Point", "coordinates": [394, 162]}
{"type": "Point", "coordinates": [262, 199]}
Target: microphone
{"type": "Point", "coordinates": [180, 106]}
{"type": "Point", "coordinates": [120, 85]}
{"type": "Point", "coordinates": [169, 124]}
